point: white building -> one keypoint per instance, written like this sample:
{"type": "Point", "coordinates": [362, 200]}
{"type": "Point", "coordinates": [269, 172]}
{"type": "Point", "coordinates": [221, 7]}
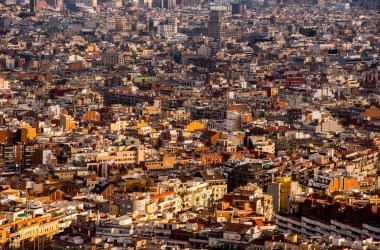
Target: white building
{"type": "Point", "coordinates": [168, 27]}
{"type": "Point", "coordinates": [118, 230]}
{"type": "Point", "coordinates": [10, 63]}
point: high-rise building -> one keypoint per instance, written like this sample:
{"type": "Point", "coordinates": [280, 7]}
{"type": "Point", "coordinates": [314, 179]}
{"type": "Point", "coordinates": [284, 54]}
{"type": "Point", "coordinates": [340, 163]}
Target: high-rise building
{"type": "Point", "coordinates": [72, 5]}
{"type": "Point", "coordinates": [219, 30]}
{"type": "Point", "coordinates": [67, 122]}
{"type": "Point", "coordinates": [168, 27]}
{"type": "Point", "coordinates": [122, 24]}
{"type": "Point", "coordinates": [170, 4]}
{"type": "Point", "coordinates": [191, 2]}
{"type": "Point", "coordinates": [371, 4]}
{"type": "Point", "coordinates": [54, 3]}
{"type": "Point", "coordinates": [282, 190]}
{"type": "Point", "coordinates": [33, 6]}
{"type": "Point", "coordinates": [238, 8]}
{"type": "Point", "coordinates": [215, 24]}
{"type": "Point", "coordinates": [158, 4]}
{"type": "Point", "coordinates": [145, 3]}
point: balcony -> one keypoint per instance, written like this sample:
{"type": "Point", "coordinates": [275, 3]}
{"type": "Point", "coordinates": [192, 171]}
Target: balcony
{"type": "Point", "coordinates": [14, 237]}
{"type": "Point", "coordinates": [371, 231]}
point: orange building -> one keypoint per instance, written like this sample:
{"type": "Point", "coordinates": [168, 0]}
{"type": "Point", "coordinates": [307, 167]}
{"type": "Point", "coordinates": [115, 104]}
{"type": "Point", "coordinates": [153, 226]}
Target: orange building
{"type": "Point", "coordinates": [3, 136]}
{"type": "Point", "coordinates": [93, 48]}
{"type": "Point", "coordinates": [343, 184]}
{"type": "Point", "coordinates": [91, 116]}
{"type": "Point", "coordinates": [195, 125]}
{"type": "Point", "coordinates": [31, 132]}
{"type": "Point", "coordinates": [67, 122]}
{"type": "Point", "coordinates": [247, 118]}
{"type": "Point", "coordinates": [210, 158]}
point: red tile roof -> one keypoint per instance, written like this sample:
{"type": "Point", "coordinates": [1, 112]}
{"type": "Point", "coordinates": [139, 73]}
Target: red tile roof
{"type": "Point", "coordinates": [260, 223]}
{"type": "Point", "coordinates": [159, 196]}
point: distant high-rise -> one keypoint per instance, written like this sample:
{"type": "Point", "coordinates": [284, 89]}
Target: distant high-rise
{"type": "Point", "coordinates": [122, 24]}
{"type": "Point", "coordinates": [215, 24]}
{"type": "Point", "coordinates": [168, 27]}
{"type": "Point", "coordinates": [170, 4]}
{"type": "Point", "coordinates": [158, 4]}
{"type": "Point", "coordinates": [71, 5]}
{"type": "Point", "coordinates": [372, 4]}
{"type": "Point", "coordinates": [191, 2]}
{"type": "Point", "coordinates": [219, 30]}
{"type": "Point", "coordinates": [54, 3]}
{"type": "Point", "coordinates": [33, 6]}
{"type": "Point", "coordinates": [238, 8]}
{"type": "Point", "coordinates": [145, 3]}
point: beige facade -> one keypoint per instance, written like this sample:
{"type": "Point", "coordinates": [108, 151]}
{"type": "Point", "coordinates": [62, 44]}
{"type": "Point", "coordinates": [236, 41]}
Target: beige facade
{"type": "Point", "coordinates": [130, 155]}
